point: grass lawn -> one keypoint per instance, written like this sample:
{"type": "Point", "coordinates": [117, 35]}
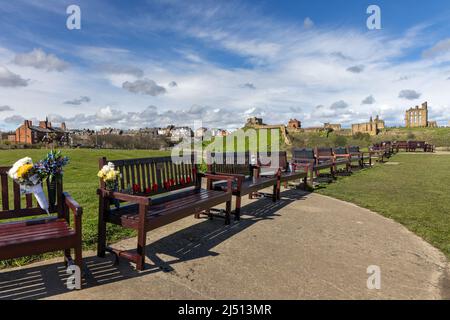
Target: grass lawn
{"type": "Point", "coordinates": [415, 192]}
{"type": "Point", "coordinates": [80, 180]}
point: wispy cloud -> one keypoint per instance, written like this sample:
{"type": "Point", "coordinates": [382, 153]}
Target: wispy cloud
{"type": "Point", "coordinates": [40, 60]}
{"type": "Point", "coordinates": [368, 100]}
{"type": "Point", "coordinates": [10, 79]}
{"type": "Point", "coordinates": [5, 108]}
{"type": "Point", "coordinates": [145, 86]}
{"type": "Point", "coordinates": [409, 94]}
{"type": "Point", "coordinates": [78, 101]}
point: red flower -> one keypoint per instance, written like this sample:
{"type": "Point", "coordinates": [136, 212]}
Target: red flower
{"type": "Point", "coordinates": [182, 181]}
{"type": "Point", "coordinates": [172, 182]}
{"type": "Point", "coordinates": [155, 187]}
{"type": "Point", "coordinates": [166, 184]}
{"type": "Point", "coordinates": [148, 190]}
{"type": "Point", "coordinates": [188, 180]}
{"type": "Point", "coordinates": [136, 188]}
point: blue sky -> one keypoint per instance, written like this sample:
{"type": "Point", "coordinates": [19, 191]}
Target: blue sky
{"type": "Point", "coordinates": [153, 63]}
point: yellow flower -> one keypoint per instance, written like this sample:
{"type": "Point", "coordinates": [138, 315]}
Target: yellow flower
{"type": "Point", "coordinates": [23, 170]}
{"type": "Point", "coordinates": [111, 175]}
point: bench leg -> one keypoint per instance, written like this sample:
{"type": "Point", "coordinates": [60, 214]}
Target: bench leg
{"type": "Point", "coordinates": [140, 263]}
{"type": "Point", "coordinates": [79, 257]}
{"type": "Point", "coordinates": [101, 245]}
{"type": "Point", "coordinates": [66, 257]}
{"type": "Point", "coordinates": [237, 212]}
{"type": "Point", "coordinates": [228, 213]}
{"type": "Point", "coordinates": [276, 188]}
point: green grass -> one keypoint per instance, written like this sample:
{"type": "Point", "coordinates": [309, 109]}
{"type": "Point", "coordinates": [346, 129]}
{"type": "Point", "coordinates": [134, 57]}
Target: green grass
{"type": "Point", "coordinates": [415, 193]}
{"type": "Point", "coordinates": [80, 180]}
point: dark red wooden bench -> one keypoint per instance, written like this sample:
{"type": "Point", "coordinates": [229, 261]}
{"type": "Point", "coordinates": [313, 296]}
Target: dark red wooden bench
{"type": "Point", "coordinates": [280, 168]}
{"type": "Point", "coordinates": [306, 158]}
{"type": "Point", "coordinates": [328, 155]}
{"type": "Point", "coordinates": [421, 145]}
{"type": "Point", "coordinates": [155, 192]}
{"type": "Point", "coordinates": [40, 233]}
{"type": "Point", "coordinates": [401, 145]}
{"type": "Point", "coordinates": [246, 177]}
{"type": "Point", "coordinates": [378, 152]}
{"type": "Point", "coordinates": [356, 154]}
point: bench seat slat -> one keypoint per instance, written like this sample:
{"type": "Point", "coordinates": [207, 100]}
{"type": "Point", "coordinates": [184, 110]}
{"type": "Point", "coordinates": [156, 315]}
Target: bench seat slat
{"type": "Point", "coordinates": [185, 203]}
{"type": "Point", "coordinates": [28, 234]}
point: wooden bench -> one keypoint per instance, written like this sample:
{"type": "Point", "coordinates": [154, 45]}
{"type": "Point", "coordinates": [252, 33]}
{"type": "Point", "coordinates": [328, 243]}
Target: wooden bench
{"type": "Point", "coordinates": [356, 154]}
{"type": "Point", "coordinates": [421, 145]}
{"type": "Point", "coordinates": [156, 192]}
{"type": "Point", "coordinates": [327, 154]}
{"type": "Point", "coordinates": [378, 152]}
{"type": "Point", "coordinates": [401, 145]}
{"type": "Point", "coordinates": [306, 157]}
{"type": "Point", "coordinates": [281, 169]}
{"type": "Point", "coordinates": [246, 177]}
{"type": "Point", "coordinates": [343, 154]}
{"type": "Point", "coordinates": [41, 233]}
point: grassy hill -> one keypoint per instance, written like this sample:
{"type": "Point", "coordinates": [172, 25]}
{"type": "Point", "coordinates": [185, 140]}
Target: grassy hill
{"type": "Point", "coordinates": [437, 136]}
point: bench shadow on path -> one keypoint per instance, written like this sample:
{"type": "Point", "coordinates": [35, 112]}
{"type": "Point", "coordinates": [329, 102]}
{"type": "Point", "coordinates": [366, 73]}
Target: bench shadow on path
{"type": "Point", "coordinates": [193, 242]}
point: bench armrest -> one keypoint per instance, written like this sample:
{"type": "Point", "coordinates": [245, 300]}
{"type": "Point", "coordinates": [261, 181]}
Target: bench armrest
{"type": "Point", "coordinates": [220, 177]}
{"type": "Point", "coordinates": [72, 205]}
{"type": "Point", "coordinates": [347, 155]}
{"type": "Point", "coordinates": [124, 196]}
{"type": "Point", "coordinates": [305, 166]}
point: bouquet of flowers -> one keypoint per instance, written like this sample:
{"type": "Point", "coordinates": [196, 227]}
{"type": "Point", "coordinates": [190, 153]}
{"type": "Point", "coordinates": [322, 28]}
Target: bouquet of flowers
{"type": "Point", "coordinates": [109, 175]}
{"type": "Point", "coordinates": [30, 178]}
{"type": "Point", "coordinates": [52, 165]}
{"type": "Point", "coordinates": [52, 168]}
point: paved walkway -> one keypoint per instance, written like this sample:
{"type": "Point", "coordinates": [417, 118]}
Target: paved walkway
{"type": "Point", "coordinates": [306, 246]}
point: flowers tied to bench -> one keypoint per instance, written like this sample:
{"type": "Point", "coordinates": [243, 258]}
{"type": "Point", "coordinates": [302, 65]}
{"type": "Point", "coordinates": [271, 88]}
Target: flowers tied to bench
{"type": "Point", "coordinates": [29, 178]}
{"type": "Point", "coordinates": [109, 176]}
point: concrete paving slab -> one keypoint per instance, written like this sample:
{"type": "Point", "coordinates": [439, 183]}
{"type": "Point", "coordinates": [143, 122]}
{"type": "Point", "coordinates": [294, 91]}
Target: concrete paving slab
{"type": "Point", "coordinates": [306, 246]}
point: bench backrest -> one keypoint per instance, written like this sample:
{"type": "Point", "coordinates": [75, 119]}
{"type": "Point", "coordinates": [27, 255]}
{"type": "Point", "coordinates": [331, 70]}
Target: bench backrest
{"type": "Point", "coordinates": [303, 155]}
{"type": "Point", "coordinates": [416, 144]}
{"type": "Point", "coordinates": [13, 204]}
{"type": "Point", "coordinates": [230, 162]}
{"type": "Point", "coordinates": [264, 160]}
{"type": "Point", "coordinates": [151, 176]}
{"type": "Point", "coordinates": [340, 150]}
{"type": "Point", "coordinates": [353, 149]}
{"type": "Point", "coordinates": [324, 152]}
{"type": "Point", "coordinates": [401, 144]}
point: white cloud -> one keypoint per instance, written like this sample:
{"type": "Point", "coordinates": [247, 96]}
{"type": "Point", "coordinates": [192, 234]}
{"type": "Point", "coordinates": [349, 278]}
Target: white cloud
{"type": "Point", "coordinates": [356, 69]}
{"type": "Point", "coordinates": [308, 23]}
{"type": "Point", "coordinates": [10, 79]}
{"type": "Point", "coordinates": [78, 101]}
{"type": "Point", "coordinates": [439, 49]}
{"type": "Point", "coordinates": [122, 69]}
{"type": "Point", "coordinates": [145, 86]}
{"type": "Point", "coordinates": [368, 100]}
{"type": "Point", "coordinates": [409, 94]}
{"type": "Point", "coordinates": [339, 105]}
{"type": "Point", "coordinates": [38, 59]}
{"type": "Point", "coordinates": [5, 108]}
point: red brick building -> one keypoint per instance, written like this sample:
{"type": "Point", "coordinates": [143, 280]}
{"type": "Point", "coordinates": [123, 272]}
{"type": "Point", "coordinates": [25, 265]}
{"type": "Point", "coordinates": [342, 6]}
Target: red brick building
{"type": "Point", "coordinates": [44, 133]}
{"type": "Point", "coordinates": [294, 124]}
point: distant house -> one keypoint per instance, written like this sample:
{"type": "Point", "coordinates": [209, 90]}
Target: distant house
{"type": "Point", "coordinates": [200, 132]}
{"type": "Point", "coordinates": [181, 132]}
{"type": "Point", "coordinates": [294, 124]}
{"type": "Point", "coordinates": [45, 132]}
{"type": "Point", "coordinates": [113, 131]}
